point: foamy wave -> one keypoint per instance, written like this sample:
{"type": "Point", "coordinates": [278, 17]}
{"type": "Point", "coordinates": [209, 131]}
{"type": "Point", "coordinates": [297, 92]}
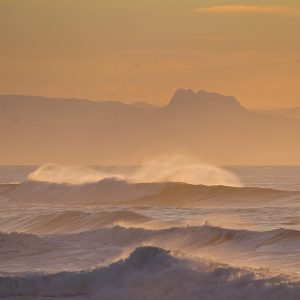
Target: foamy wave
{"type": "Point", "coordinates": [70, 174]}
{"type": "Point", "coordinates": [153, 273]}
{"type": "Point", "coordinates": [180, 169]}
{"type": "Point", "coordinates": [168, 169]}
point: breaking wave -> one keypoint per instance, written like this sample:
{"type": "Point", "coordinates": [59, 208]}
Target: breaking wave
{"type": "Point", "coordinates": [74, 175]}
{"type": "Point", "coordinates": [153, 273]}
{"type": "Point", "coordinates": [168, 169]}
{"type": "Point", "coordinates": [176, 185]}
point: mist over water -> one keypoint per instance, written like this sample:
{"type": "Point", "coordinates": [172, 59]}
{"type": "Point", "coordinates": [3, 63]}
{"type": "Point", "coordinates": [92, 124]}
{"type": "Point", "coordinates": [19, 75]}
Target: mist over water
{"type": "Point", "coordinates": [172, 169]}
{"type": "Point", "coordinates": [69, 174]}
{"type": "Point", "coordinates": [178, 169]}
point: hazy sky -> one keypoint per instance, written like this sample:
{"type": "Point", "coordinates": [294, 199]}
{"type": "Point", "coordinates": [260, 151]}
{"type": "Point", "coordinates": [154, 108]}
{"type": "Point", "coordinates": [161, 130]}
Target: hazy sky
{"type": "Point", "coordinates": [134, 50]}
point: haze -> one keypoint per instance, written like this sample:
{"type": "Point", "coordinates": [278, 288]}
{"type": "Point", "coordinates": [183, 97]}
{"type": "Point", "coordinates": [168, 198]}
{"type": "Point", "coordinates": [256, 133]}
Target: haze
{"type": "Point", "coordinates": [144, 50]}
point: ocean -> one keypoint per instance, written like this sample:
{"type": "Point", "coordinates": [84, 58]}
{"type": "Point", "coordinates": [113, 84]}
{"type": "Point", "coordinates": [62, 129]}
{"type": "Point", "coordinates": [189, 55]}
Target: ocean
{"type": "Point", "coordinates": [164, 232]}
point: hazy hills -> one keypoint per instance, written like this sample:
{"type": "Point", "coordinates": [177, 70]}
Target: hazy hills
{"type": "Point", "coordinates": [210, 126]}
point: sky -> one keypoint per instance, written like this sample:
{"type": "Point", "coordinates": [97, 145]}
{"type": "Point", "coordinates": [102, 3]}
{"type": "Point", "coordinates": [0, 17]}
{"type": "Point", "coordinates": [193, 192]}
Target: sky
{"type": "Point", "coordinates": [143, 50]}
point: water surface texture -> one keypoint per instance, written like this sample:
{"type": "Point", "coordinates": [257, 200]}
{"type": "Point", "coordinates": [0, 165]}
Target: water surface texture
{"type": "Point", "coordinates": [115, 232]}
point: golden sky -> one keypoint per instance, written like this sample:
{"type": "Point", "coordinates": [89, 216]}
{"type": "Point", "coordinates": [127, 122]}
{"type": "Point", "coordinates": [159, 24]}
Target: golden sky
{"type": "Point", "coordinates": [143, 50]}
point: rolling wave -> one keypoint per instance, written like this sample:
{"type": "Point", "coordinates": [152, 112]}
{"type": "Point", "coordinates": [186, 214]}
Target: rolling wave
{"type": "Point", "coordinates": [276, 249]}
{"type": "Point", "coordinates": [273, 249]}
{"type": "Point", "coordinates": [106, 191]}
{"type": "Point", "coordinates": [15, 244]}
{"type": "Point", "coordinates": [153, 273]}
{"type": "Point", "coordinates": [71, 221]}
{"type": "Point", "coordinates": [112, 190]}
{"type": "Point", "coordinates": [183, 195]}
{"type": "Point", "coordinates": [174, 237]}
{"type": "Point", "coordinates": [194, 237]}
{"type": "Point", "coordinates": [6, 189]}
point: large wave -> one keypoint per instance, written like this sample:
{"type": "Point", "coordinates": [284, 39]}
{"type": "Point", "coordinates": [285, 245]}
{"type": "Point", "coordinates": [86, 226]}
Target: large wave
{"type": "Point", "coordinates": [184, 195]}
{"type": "Point", "coordinates": [111, 190]}
{"type": "Point", "coordinates": [153, 273]}
{"type": "Point", "coordinates": [275, 249]}
{"type": "Point", "coordinates": [164, 183]}
{"type": "Point", "coordinates": [250, 247]}
{"type": "Point", "coordinates": [167, 169]}
{"type": "Point", "coordinates": [106, 191]}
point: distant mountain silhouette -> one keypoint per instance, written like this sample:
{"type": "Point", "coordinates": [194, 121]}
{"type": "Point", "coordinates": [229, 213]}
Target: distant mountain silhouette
{"type": "Point", "coordinates": [210, 126]}
{"type": "Point", "coordinates": [188, 99]}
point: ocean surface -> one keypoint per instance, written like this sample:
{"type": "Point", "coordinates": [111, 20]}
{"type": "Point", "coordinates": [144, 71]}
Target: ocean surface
{"type": "Point", "coordinates": [155, 232]}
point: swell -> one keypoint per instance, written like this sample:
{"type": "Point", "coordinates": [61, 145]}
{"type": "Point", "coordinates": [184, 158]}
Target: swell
{"type": "Point", "coordinates": [195, 237]}
{"type": "Point", "coordinates": [184, 195]}
{"type": "Point", "coordinates": [276, 249]}
{"type": "Point", "coordinates": [112, 190]}
{"type": "Point", "coordinates": [6, 189]}
{"type": "Point", "coordinates": [71, 221]}
{"type": "Point", "coordinates": [106, 191]}
{"type": "Point", "coordinates": [154, 273]}
{"type": "Point", "coordinates": [18, 244]}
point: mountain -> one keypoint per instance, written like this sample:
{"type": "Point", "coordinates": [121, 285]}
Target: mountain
{"type": "Point", "coordinates": [189, 100]}
{"type": "Point", "coordinates": [210, 126]}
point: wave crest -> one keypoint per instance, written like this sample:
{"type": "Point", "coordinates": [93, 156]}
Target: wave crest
{"type": "Point", "coordinates": [168, 169]}
{"type": "Point", "coordinates": [149, 273]}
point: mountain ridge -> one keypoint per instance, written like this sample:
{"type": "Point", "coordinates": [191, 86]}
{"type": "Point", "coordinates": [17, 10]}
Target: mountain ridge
{"type": "Point", "coordinates": [181, 97]}
{"type": "Point", "coordinates": [209, 126]}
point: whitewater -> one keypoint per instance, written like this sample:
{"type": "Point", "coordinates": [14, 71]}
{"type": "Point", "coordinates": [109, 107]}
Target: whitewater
{"type": "Point", "coordinates": [167, 230]}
